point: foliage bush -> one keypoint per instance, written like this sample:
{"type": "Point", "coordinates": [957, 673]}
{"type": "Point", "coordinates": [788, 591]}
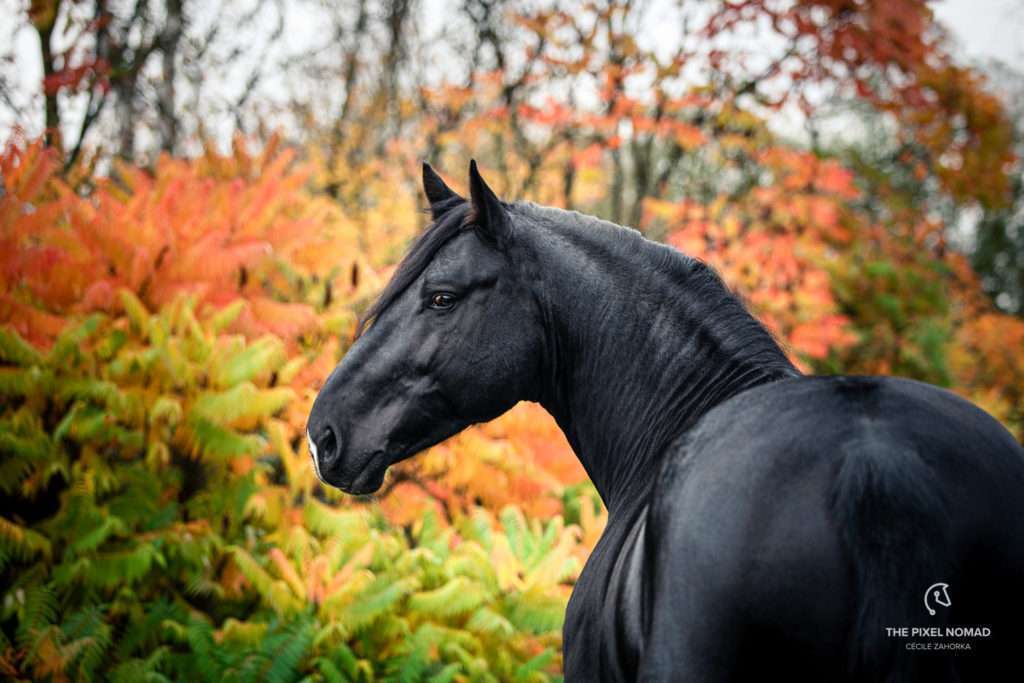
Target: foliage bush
{"type": "Point", "coordinates": [185, 540]}
{"type": "Point", "coordinates": [160, 517]}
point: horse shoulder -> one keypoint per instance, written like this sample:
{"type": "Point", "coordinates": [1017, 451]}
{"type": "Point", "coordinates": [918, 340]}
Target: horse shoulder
{"type": "Point", "coordinates": [742, 555]}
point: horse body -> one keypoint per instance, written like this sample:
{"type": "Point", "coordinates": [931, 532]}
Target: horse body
{"type": "Point", "coordinates": [760, 522]}
{"type": "Point", "coordinates": [796, 522]}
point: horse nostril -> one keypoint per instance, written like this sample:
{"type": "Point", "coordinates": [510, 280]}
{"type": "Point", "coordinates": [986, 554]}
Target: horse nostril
{"type": "Point", "coordinates": [328, 444]}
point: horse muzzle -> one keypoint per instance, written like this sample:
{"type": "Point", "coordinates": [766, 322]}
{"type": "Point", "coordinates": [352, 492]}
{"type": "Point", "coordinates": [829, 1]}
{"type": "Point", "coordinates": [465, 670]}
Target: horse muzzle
{"type": "Point", "coordinates": [326, 452]}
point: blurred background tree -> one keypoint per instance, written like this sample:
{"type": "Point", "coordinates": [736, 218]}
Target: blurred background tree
{"type": "Point", "coordinates": [200, 198]}
{"type": "Point", "coordinates": [997, 244]}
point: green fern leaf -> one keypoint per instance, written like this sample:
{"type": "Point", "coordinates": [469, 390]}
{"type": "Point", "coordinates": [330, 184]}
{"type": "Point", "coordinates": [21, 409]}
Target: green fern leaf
{"type": "Point", "coordinates": [25, 382]}
{"type": "Point", "coordinates": [329, 522]}
{"type": "Point", "coordinates": [38, 613]}
{"type": "Point", "coordinates": [347, 664]}
{"type": "Point", "coordinates": [535, 611]}
{"type": "Point", "coordinates": [87, 637]}
{"type": "Point", "coordinates": [123, 567]}
{"type": "Point", "coordinates": [243, 403]}
{"type": "Point", "coordinates": [378, 598]}
{"type": "Point", "coordinates": [330, 671]}
{"type": "Point", "coordinates": [412, 666]}
{"type": "Point", "coordinates": [246, 633]}
{"type": "Point", "coordinates": [35, 445]}
{"type": "Point", "coordinates": [289, 370]}
{"type": "Point", "coordinates": [210, 440]}
{"type": "Point", "coordinates": [517, 531]}
{"type": "Point", "coordinates": [97, 391]}
{"type": "Point", "coordinates": [17, 351]}
{"type": "Point", "coordinates": [207, 658]}
{"type": "Point", "coordinates": [260, 358]}
{"type": "Point", "coordinates": [95, 538]}
{"type": "Point", "coordinates": [22, 543]}
{"type": "Point", "coordinates": [23, 453]}
{"type": "Point", "coordinates": [70, 342]}
{"type": "Point", "coordinates": [144, 670]}
{"type": "Point", "coordinates": [285, 650]}
{"type": "Point", "coordinates": [446, 675]}
{"type": "Point", "coordinates": [225, 317]}
{"type": "Point", "coordinates": [150, 627]}
{"type": "Point", "coordinates": [525, 671]}
{"type": "Point", "coordinates": [459, 596]}
{"type": "Point", "coordinates": [486, 620]}
{"type": "Point", "coordinates": [275, 593]}
{"type": "Point", "coordinates": [136, 312]}
{"type": "Point", "coordinates": [166, 410]}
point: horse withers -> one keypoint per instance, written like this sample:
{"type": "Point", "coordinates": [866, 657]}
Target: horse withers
{"type": "Point", "coordinates": [762, 525]}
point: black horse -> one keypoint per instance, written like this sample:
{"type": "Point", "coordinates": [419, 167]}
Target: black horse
{"type": "Point", "coordinates": [762, 525]}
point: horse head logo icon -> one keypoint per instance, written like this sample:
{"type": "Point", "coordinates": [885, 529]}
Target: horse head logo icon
{"type": "Point", "coordinates": [937, 594]}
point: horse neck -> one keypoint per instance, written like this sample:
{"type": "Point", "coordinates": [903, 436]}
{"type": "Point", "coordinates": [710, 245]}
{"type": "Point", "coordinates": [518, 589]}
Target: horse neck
{"type": "Point", "coordinates": [641, 341]}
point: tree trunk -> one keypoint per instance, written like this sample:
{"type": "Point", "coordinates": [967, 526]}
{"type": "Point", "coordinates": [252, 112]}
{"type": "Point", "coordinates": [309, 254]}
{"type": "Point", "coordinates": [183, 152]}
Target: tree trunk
{"type": "Point", "coordinates": [44, 16]}
{"type": "Point", "coordinates": [125, 90]}
{"type": "Point", "coordinates": [169, 128]}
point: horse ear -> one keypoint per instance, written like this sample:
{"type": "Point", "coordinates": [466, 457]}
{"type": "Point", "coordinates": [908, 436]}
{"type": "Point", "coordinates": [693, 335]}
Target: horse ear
{"type": "Point", "coordinates": [438, 194]}
{"type": "Point", "coordinates": [488, 211]}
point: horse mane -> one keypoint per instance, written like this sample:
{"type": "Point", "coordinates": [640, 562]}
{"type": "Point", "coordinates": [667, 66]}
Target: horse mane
{"type": "Point", "coordinates": [731, 326]}
{"type": "Point", "coordinates": [708, 298]}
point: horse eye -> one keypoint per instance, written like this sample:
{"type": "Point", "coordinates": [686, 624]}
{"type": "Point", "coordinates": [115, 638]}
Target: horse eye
{"type": "Point", "coordinates": [442, 300]}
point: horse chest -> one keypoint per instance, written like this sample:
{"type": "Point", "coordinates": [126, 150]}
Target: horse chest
{"type": "Point", "coordinates": [603, 633]}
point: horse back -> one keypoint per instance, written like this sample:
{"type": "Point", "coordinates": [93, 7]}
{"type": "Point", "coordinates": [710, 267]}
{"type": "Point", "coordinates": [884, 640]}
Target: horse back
{"type": "Point", "coordinates": [800, 520]}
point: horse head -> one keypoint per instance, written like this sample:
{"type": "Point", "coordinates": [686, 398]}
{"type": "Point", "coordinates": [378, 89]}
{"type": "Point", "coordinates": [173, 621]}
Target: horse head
{"type": "Point", "coordinates": [454, 339]}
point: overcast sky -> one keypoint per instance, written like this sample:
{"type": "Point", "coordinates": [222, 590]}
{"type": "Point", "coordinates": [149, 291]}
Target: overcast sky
{"type": "Point", "coordinates": [982, 29]}
{"type": "Point", "coordinates": [986, 28]}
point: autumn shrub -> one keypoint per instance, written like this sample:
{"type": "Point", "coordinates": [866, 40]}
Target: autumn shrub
{"type": "Point", "coordinates": [162, 340]}
{"type": "Point", "coordinates": [846, 290]}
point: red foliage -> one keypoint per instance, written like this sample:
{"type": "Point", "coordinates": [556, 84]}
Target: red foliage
{"type": "Point", "coordinates": [181, 228]}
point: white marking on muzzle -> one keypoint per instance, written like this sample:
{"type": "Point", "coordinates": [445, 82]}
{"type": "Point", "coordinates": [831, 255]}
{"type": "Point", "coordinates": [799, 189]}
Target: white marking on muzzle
{"type": "Point", "coordinates": [312, 453]}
